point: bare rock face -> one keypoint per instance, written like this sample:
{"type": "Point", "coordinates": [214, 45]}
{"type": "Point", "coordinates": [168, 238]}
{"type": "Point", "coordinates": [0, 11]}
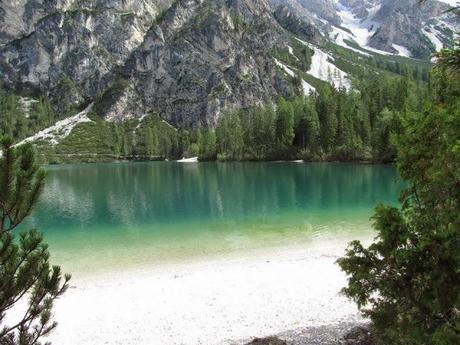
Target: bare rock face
{"type": "Point", "coordinates": [290, 21]}
{"type": "Point", "coordinates": [325, 9]}
{"type": "Point", "coordinates": [206, 57]}
{"type": "Point", "coordinates": [420, 28]}
{"type": "Point", "coordinates": [187, 60]}
{"type": "Point", "coordinates": [18, 17]}
{"type": "Point", "coordinates": [405, 23]}
{"type": "Point", "coordinates": [82, 45]}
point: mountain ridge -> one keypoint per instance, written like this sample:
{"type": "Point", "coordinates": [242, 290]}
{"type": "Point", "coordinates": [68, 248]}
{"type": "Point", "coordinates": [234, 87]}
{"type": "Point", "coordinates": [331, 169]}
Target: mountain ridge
{"type": "Point", "coordinates": [188, 61]}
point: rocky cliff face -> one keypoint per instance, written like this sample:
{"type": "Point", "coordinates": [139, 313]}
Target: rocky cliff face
{"type": "Point", "coordinates": [79, 48]}
{"type": "Point", "coordinates": [297, 24]}
{"type": "Point", "coordinates": [186, 60]}
{"type": "Point", "coordinates": [190, 60]}
{"type": "Point", "coordinates": [205, 57]}
{"type": "Point", "coordinates": [402, 27]}
{"type": "Point", "coordinates": [422, 29]}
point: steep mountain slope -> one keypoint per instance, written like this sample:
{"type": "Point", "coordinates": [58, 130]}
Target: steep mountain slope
{"type": "Point", "coordinates": [79, 46]}
{"type": "Point", "coordinates": [401, 27]}
{"type": "Point", "coordinates": [205, 57]}
{"type": "Point", "coordinates": [190, 61]}
{"type": "Point", "coordinates": [187, 62]}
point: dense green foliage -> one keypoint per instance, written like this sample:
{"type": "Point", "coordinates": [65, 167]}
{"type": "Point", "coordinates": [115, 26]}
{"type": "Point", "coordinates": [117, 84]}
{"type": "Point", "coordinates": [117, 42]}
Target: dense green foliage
{"type": "Point", "coordinates": [25, 271]}
{"type": "Point", "coordinates": [408, 280]}
{"type": "Point", "coordinates": [17, 123]}
{"type": "Point", "coordinates": [149, 138]}
{"type": "Point", "coordinates": [330, 125]}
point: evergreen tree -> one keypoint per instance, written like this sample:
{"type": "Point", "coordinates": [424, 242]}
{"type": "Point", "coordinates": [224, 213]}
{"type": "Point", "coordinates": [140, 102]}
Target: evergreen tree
{"type": "Point", "coordinates": [208, 145]}
{"type": "Point", "coordinates": [408, 281]}
{"type": "Point", "coordinates": [307, 128]}
{"type": "Point", "coordinates": [264, 131]}
{"type": "Point", "coordinates": [326, 108]}
{"type": "Point", "coordinates": [25, 271]}
{"type": "Point", "coordinates": [151, 142]}
{"type": "Point", "coordinates": [184, 140]}
{"type": "Point", "coordinates": [387, 124]}
{"type": "Point", "coordinates": [344, 136]}
{"type": "Point", "coordinates": [284, 123]}
{"type": "Point", "coordinates": [230, 137]}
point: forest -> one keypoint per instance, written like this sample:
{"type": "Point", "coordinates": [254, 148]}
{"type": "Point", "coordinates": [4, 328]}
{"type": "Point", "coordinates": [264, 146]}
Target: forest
{"type": "Point", "coordinates": [327, 125]}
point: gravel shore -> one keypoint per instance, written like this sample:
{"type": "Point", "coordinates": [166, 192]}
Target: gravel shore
{"type": "Point", "coordinates": [213, 301]}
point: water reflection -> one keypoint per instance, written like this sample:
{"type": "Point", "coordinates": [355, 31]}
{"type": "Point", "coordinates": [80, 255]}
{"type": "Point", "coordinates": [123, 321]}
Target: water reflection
{"type": "Point", "coordinates": [161, 192]}
{"type": "Point", "coordinates": [98, 217]}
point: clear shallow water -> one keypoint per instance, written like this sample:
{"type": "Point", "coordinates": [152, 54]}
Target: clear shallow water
{"type": "Point", "coordinates": [105, 216]}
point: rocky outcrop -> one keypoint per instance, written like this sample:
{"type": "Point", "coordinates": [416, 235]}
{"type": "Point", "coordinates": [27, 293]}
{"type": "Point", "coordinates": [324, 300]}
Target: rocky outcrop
{"type": "Point", "coordinates": [187, 60]}
{"type": "Point", "coordinates": [403, 23]}
{"type": "Point", "coordinates": [18, 18]}
{"type": "Point", "coordinates": [84, 46]}
{"type": "Point", "coordinates": [324, 9]}
{"type": "Point", "coordinates": [385, 25]}
{"type": "Point", "coordinates": [206, 57]}
{"type": "Point", "coordinates": [290, 21]}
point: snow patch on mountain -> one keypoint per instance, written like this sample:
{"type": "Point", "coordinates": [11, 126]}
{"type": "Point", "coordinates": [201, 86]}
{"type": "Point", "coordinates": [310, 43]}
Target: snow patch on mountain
{"type": "Point", "coordinates": [322, 68]}
{"type": "Point", "coordinates": [403, 51]}
{"type": "Point", "coordinates": [339, 36]}
{"type": "Point", "coordinates": [285, 68]}
{"type": "Point", "coordinates": [61, 129]}
{"type": "Point", "coordinates": [431, 34]}
{"type": "Point", "coordinates": [452, 3]}
{"type": "Point", "coordinates": [307, 88]}
{"type": "Point", "coordinates": [291, 51]}
{"type": "Point", "coordinates": [359, 30]}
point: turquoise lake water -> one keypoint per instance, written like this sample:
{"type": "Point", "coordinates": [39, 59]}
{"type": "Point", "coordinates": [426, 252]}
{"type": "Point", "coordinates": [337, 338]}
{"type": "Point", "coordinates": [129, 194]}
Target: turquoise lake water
{"type": "Point", "coordinates": [102, 216]}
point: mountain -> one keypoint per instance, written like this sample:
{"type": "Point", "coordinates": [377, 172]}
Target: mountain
{"type": "Point", "coordinates": [191, 61]}
{"type": "Point", "coordinates": [401, 27]}
{"type": "Point", "coordinates": [187, 60]}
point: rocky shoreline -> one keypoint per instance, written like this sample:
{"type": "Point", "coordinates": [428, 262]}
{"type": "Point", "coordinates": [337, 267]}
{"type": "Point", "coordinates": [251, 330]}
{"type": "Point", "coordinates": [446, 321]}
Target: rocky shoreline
{"type": "Point", "coordinates": [346, 333]}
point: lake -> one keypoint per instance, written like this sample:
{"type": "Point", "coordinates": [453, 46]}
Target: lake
{"type": "Point", "coordinates": [121, 215]}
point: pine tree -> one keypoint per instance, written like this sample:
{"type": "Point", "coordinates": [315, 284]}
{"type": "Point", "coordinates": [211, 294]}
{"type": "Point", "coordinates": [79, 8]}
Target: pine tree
{"type": "Point", "coordinates": [208, 145]}
{"type": "Point", "coordinates": [263, 132]}
{"type": "Point", "coordinates": [306, 124]}
{"type": "Point", "coordinates": [284, 123]}
{"type": "Point", "coordinates": [25, 270]}
{"type": "Point", "coordinates": [230, 137]}
{"type": "Point", "coordinates": [326, 108]}
{"type": "Point", "coordinates": [408, 281]}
